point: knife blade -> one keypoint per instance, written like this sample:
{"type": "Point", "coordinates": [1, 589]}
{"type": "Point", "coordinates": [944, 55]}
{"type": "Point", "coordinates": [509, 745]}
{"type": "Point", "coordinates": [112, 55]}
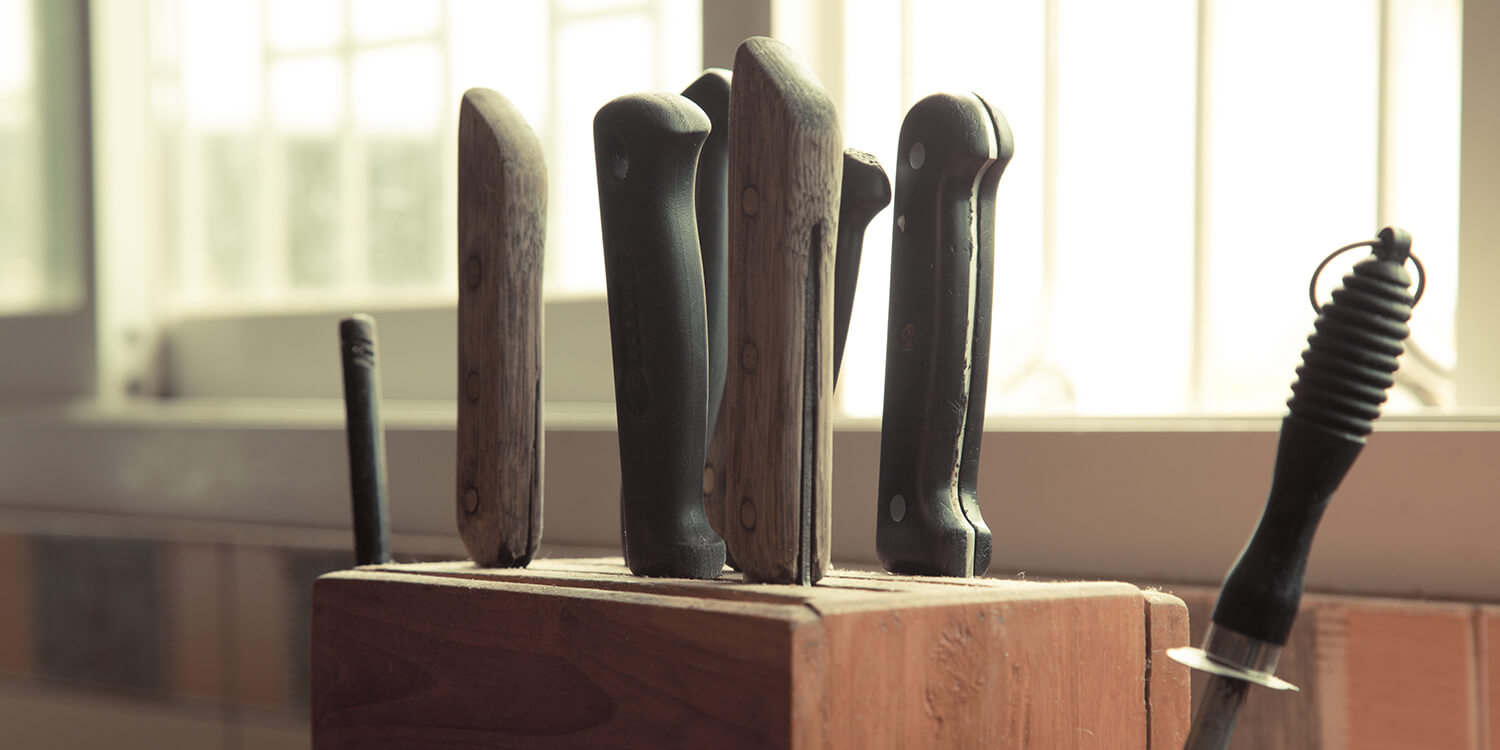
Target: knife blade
{"type": "Point", "coordinates": [645, 153]}
{"type": "Point", "coordinates": [953, 149]}
{"type": "Point", "coordinates": [366, 437]}
{"type": "Point", "coordinates": [1347, 369]}
{"type": "Point", "coordinates": [502, 189]}
{"type": "Point", "coordinates": [784, 160]}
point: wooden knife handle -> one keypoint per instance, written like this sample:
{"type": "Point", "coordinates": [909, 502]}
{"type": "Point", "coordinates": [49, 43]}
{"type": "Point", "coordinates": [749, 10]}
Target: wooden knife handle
{"type": "Point", "coordinates": [645, 153]}
{"type": "Point", "coordinates": [502, 194]}
{"type": "Point", "coordinates": [785, 153]}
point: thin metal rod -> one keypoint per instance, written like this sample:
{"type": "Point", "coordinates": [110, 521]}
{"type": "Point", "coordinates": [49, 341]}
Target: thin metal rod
{"type": "Point", "coordinates": [1218, 712]}
{"type": "Point", "coordinates": [367, 475]}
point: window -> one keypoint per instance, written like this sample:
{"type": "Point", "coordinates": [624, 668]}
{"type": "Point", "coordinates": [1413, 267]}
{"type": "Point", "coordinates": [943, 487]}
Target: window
{"type": "Point", "coordinates": [1180, 168]}
{"type": "Point", "coordinates": [160, 312]}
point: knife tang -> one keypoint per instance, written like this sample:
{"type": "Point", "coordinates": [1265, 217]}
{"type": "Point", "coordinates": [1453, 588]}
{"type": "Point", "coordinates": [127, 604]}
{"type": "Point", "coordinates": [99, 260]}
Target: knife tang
{"type": "Point", "coordinates": [865, 191]}
{"type": "Point", "coordinates": [784, 160]}
{"type": "Point", "coordinates": [502, 189]}
{"type": "Point", "coordinates": [952, 151]}
{"type": "Point", "coordinates": [645, 152]}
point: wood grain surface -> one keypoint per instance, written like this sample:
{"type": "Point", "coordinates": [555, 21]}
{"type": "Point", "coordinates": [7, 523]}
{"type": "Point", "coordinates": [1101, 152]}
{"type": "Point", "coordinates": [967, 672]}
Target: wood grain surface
{"type": "Point", "coordinates": [1168, 683]}
{"type": "Point", "coordinates": [502, 191]}
{"type": "Point", "coordinates": [579, 653]}
{"type": "Point", "coordinates": [785, 155]}
{"type": "Point", "coordinates": [1375, 674]}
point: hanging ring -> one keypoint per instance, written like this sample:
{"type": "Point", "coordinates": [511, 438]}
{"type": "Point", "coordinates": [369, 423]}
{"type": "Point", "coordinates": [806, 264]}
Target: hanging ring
{"type": "Point", "coordinates": [1312, 286]}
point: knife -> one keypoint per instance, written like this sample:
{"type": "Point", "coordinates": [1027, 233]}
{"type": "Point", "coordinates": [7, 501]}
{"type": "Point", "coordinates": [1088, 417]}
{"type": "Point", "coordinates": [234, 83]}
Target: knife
{"type": "Point", "coordinates": [711, 205]}
{"type": "Point", "coordinates": [865, 191]}
{"type": "Point", "coordinates": [502, 189]}
{"type": "Point", "coordinates": [645, 153]}
{"type": "Point", "coordinates": [952, 150]}
{"type": "Point", "coordinates": [784, 159]}
{"type": "Point", "coordinates": [366, 436]}
{"type": "Point", "coordinates": [1347, 368]}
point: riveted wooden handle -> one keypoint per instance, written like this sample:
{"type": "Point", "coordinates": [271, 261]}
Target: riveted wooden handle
{"type": "Point", "coordinates": [785, 157]}
{"type": "Point", "coordinates": [502, 191]}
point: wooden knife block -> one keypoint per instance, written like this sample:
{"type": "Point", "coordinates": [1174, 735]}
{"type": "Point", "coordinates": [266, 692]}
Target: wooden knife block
{"type": "Point", "coordinates": [580, 654]}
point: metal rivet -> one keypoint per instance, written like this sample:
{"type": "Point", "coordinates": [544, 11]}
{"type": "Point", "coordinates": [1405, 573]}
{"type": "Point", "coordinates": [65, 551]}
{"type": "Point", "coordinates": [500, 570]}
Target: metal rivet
{"type": "Point", "coordinates": [750, 357]}
{"type": "Point", "coordinates": [901, 223]}
{"type": "Point", "coordinates": [918, 155]}
{"type": "Point", "coordinates": [747, 514]}
{"type": "Point", "coordinates": [473, 272]}
{"type": "Point", "coordinates": [908, 337]}
{"type": "Point", "coordinates": [898, 508]}
{"type": "Point", "coordinates": [619, 158]}
{"type": "Point", "coordinates": [471, 500]}
{"type": "Point", "coordinates": [750, 201]}
{"type": "Point", "coordinates": [471, 386]}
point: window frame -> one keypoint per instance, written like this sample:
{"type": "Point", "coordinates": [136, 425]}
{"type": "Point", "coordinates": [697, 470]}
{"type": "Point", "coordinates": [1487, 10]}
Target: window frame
{"type": "Point", "coordinates": [1161, 500]}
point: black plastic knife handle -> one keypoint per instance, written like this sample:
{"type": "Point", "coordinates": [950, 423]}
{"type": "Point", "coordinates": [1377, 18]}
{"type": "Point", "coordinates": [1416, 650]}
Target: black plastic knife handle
{"type": "Point", "coordinates": [711, 205]}
{"type": "Point", "coordinates": [646, 151]}
{"type": "Point", "coordinates": [864, 191]}
{"type": "Point", "coordinates": [367, 477]}
{"type": "Point", "coordinates": [1347, 369]}
{"type": "Point", "coordinates": [952, 151]}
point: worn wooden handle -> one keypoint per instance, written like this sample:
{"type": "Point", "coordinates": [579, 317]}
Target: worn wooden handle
{"type": "Point", "coordinates": [502, 191]}
{"type": "Point", "coordinates": [785, 155]}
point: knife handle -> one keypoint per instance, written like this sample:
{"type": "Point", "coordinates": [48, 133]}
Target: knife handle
{"type": "Point", "coordinates": [646, 151]}
{"type": "Point", "coordinates": [865, 190]}
{"type": "Point", "coordinates": [711, 205]}
{"type": "Point", "coordinates": [1347, 368]}
{"type": "Point", "coordinates": [366, 436]}
{"type": "Point", "coordinates": [502, 189]}
{"type": "Point", "coordinates": [784, 158]}
{"type": "Point", "coordinates": [952, 151]}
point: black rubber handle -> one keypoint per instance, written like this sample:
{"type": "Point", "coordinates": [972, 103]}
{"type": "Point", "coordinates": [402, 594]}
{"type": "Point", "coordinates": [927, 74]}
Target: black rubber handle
{"type": "Point", "coordinates": [711, 205]}
{"type": "Point", "coordinates": [864, 191]}
{"type": "Point", "coordinates": [953, 149]}
{"type": "Point", "coordinates": [646, 151]}
{"type": "Point", "coordinates": [1347, 369]}
{"type": "Point", "coordinates": [362, 426]}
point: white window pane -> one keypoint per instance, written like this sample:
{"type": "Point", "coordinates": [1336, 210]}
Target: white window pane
{"type": "Point", "coordinates": [304, 24]}
{"type": "Point", "coordinates": [222, 61]}
{"type": "Point", "coordinates": [597, 60]}
{"type": "Point", "coordinates": [517, 68]}
{"type": "Point", "coordinates": [29, 274]}
{"type": "Point", "coordinates": [375, 20]}
{"type": "Point", "coordinates": [15, 49]}
{"type": "Point", "coordinates": [1424, 50]}
{"type": "Point", "coordinates": [1122, 309]}
{"type": "Point", "coordinates": [396, 89]}
{"type": "Point", "coordinates": [1292, 175]}
{"type": "Point", "coordinates": [307, 94]}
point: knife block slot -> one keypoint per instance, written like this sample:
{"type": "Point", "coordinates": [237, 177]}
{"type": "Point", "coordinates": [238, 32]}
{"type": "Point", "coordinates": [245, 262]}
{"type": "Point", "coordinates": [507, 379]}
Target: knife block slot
{"type": "Point", "coordinates": [579, 653]}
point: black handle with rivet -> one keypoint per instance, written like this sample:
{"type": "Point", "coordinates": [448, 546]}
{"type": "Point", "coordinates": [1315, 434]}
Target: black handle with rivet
{"type": "Point", "coordinates": [952, 151]}
{"type": "Point", "coordinates": [366, 438]}
{"type": "Point", "coordinates": [646, 150]}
